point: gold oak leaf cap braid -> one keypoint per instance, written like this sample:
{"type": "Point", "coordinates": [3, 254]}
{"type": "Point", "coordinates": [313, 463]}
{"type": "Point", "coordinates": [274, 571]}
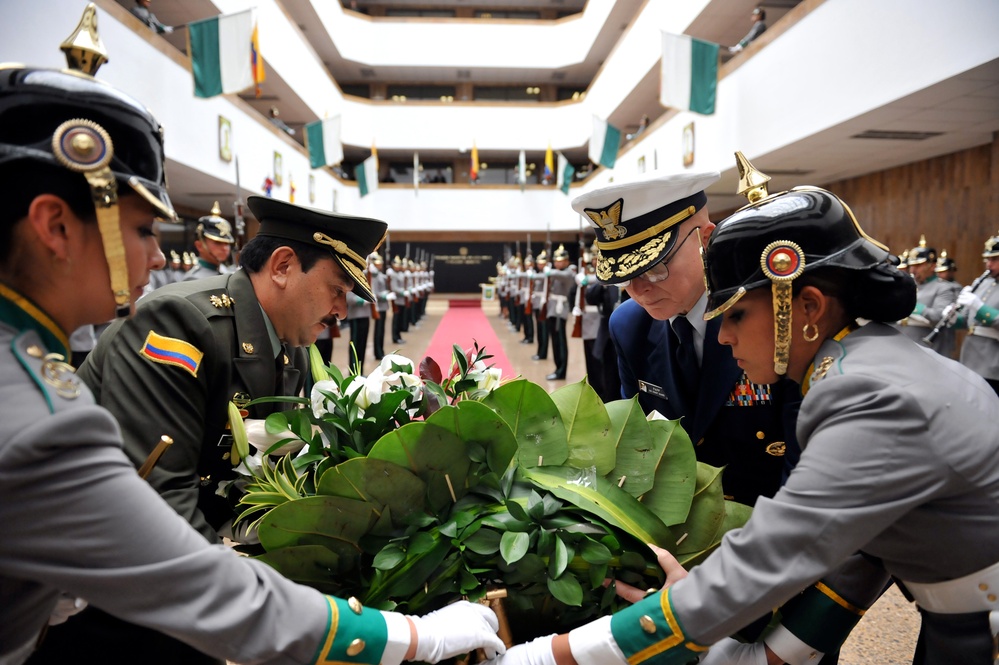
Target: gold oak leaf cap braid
{"type": "Point", "coordinates": [635, 221]}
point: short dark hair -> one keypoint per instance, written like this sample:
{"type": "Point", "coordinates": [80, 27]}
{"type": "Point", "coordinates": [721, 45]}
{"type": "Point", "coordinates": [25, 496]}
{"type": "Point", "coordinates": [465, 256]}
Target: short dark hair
{"type": "Point", "coordinates": [256, 252]}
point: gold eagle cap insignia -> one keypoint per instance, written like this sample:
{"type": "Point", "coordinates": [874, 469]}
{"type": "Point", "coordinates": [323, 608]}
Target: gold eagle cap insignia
{"type": "Point", "coordinates": [609, 220]}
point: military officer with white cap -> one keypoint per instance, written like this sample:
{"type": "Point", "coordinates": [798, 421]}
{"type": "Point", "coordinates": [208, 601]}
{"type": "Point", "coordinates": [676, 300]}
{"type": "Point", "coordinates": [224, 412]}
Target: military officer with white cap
{"type": "Point", "coordinates": [649, 233]}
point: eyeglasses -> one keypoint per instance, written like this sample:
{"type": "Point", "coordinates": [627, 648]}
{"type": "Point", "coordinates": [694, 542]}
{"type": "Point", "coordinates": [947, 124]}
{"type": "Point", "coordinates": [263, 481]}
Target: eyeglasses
{"type": "Point", "coordinates": [659, 272]}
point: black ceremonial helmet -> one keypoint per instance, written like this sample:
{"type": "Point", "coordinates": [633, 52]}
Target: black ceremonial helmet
{"type": "Point", "coordinates": [69, 119]}
{"type": "Point", "coordinates": [778, 237]}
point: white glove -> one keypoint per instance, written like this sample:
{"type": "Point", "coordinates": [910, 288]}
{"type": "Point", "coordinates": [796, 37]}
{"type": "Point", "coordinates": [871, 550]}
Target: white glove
{"type": "Point", "coordinates": [390, 296]}
{"type": "Point", "coordinates": [66, 607]}
{"type": "Point", "coordinates": [455, 630]}
{"type": "Point", "coordinates": [167, 29]}
{"type": "Point", "coordinates": [576, 311]}
{"type": "Point", "coordinates": [535, 652]}
{"type": "Point", "coordinates": [970, 302]}
{"type": "Point", "coordinates": [735, 49]}
{"type": "Point", "coordinates": [548, 270]}
{"type": "Point", "coordinates": [733, 652]}
{"type": "Point", "coordinates": [947, 312]}
{"type": "Point", "coordinates": [581, 278]}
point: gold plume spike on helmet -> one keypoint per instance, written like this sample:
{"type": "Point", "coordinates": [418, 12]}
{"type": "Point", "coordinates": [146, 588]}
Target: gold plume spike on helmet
{"type": "Point", "coordinates": [752, 182]}
{"type": "Point", "coordinates": [84, 49]}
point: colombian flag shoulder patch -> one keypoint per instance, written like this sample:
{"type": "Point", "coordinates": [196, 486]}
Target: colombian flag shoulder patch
{"type": "Point", "coordinates": [171, 351]}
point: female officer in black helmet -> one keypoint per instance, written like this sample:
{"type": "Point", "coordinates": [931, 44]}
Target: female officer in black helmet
{"type": "Point", "coordinates": [903, 471]}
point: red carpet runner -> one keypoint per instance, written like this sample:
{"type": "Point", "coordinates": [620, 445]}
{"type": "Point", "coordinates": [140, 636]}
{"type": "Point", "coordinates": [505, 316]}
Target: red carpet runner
{"type": "Point", "coordinates": [463, 326]}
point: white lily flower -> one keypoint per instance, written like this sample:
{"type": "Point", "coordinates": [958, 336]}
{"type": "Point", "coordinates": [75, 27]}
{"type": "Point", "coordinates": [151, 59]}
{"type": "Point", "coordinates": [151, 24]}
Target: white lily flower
{"type": "Point", "coordinates": [320, 403]}
{"type": "Point", "coordinates": [358, 385]}
{"type": "Point", "coordinates": [262, 440]}
{"type": "Point", "coordinates": [490, 380]}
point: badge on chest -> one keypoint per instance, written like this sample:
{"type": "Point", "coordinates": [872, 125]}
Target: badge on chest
{"type": "Point", "coordinates": [651, 389]}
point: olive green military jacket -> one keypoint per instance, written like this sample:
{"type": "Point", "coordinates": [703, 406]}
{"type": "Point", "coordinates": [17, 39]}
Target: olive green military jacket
{"type": "Point", "coordinates": [173, 368]}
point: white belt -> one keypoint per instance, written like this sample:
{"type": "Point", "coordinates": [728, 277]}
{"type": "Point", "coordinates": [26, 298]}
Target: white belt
{"type": "Point", "coordinates": [985, 331]}
{"type": "Point", "coordinates": [557, 298]}
{"type": "Point", "coordinates": [977, 592]}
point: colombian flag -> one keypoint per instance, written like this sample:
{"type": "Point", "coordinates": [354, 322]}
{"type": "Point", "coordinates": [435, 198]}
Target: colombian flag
{"type": "Point", "coordinates": [473, 171]}
{"type": "Point", "coordinates": [171, 351]}
{"type": "Point", "coordinates": [549, 165]}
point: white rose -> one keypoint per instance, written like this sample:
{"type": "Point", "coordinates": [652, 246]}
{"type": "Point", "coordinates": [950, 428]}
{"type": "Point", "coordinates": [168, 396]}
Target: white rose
{"type": "Point", "coordinates": [262, 440]}
{"type": "Point", "coordinates": [491, 379]}
{"type": "Point", "coordinates": [320, 403]}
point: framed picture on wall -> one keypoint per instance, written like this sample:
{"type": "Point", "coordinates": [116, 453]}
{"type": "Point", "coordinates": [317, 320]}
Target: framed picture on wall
{"type": "Point", "coordinates": [312, 188]}
{"type": "Point", "coordinates": [688, 145]}
{"type": "Point", "coordinates": [278, 168]}
{"type": "Point", "coordinates": [225, 139]}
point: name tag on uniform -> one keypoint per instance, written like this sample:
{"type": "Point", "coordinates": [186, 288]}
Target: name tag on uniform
{"type": "Point", "coordinates": [651, 389]}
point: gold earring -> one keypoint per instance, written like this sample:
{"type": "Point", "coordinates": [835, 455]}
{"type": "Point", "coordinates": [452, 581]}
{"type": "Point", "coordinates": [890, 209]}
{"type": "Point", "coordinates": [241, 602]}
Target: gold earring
{"type": "Point", "coordinates": [815, 334]}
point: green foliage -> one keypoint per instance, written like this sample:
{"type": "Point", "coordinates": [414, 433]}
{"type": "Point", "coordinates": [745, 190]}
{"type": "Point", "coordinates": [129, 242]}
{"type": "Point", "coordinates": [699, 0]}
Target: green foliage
{"type": "Point", "coordinates": [544, 495]}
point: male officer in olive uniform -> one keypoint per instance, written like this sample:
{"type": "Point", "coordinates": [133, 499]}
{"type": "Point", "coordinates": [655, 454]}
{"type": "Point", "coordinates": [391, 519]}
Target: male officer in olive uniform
{"type": "Point", "coordinates": [214, 243]}
{"type": "Point", "coordinates": [561, 291]}
{"type": "Point", "coordinates": [933, 295]}
{"type": "Point", "coordinates": [978, 309]}
{"type": "Point", "coordinates": [193, 347]}
{"type": "Point", "coordinates": [78, 521]}
{"type": "Point", "coordinates": [648, 235]}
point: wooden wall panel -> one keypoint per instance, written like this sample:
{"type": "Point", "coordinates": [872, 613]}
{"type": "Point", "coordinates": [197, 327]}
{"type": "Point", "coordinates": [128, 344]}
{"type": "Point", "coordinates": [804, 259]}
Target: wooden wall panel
{"type": "Point", "coordinates": [951, 199]}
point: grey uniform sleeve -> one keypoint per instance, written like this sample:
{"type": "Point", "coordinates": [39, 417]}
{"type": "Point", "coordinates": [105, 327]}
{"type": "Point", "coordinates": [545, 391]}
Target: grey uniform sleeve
{"type": "Point", "coordinates": [855, 478]}
{"type": "Point", "coordinates": [77, 518]}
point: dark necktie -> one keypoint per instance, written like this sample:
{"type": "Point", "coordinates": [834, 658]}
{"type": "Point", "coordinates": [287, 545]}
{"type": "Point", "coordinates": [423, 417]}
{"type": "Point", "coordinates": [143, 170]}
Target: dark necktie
{"type": "Point", "coordinates": [686, 370]}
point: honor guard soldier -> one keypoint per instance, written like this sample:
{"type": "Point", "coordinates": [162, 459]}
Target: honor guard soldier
{"type": "Point", "coordinates": [946, 267]}
{"type": "Point", "coordinates": [379, 287]}
{"type": "Point", "coordinates": [561, 289]}
{"type": "Point", "coordinates": [589, 327]}
{"type": "Point", "coordinates": [397, 289]}
{"type": "Point", "coordinates": [213, 242]}
{"type": "Point", "coordinates": [526, 296]}
{"type": "Point", "coordinates": [84, 165]}
{"type": "Point", "coordinates": [933, 295]}
{"type": "Point", "coordinates": [649, 234]}
{"type": "Point", "coordinates": [977, 308]}
{"type": "Point", "coordinates": [539, 305]}
{"type": "Point", "coordinates": [359, 320]}
{"type": "Point", "coordinates": [792, 273]}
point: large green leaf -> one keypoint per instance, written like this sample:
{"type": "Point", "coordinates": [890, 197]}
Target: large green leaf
{"type": "Point", "coordinates": [473, 422]}
{"type": "Point", "coordinates": [605, 500]}
{"type": "Point", "coordinates": [587, 427]}
{"type": "Point", "coordinates": [535, 421]}
{"type": "Point", "coordinates": [736, 516]}
{"type": "Point", "coordinates": [638, 452]}
{"type": "Point", "coordinates": [676, 474]}
{"type": "Point", "coordinates": [331, 521]}
{"type": "Point", "coordinates": [707, 512]}
{"type": "Point", "coordinates": [312, 565]}
{"type": "Point", "coordinates": [437, 456]}
{"type": "Point", "coordinates": [377, 481]}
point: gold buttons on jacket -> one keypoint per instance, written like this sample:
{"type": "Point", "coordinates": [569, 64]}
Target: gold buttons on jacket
{"type": "Point", "coordinates": [760, 435]}
{"type": "Point", "coordinates": [35, 351]}
{"type": "Point", "coordinates": [647, 624]}
{"type": "Point", "coordinates": [356, 647]}
{"type": "Point", "coordinates": [355, 605]}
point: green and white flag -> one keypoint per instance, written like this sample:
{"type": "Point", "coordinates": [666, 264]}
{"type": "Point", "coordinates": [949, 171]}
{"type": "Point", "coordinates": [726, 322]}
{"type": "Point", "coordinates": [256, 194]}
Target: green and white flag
{"type": "Point", "coordinates": [604, 143]}
{"type": "Point", "coordinates": [367, 175]}
{"type": "Point", "coordinates": [564, 175]}
{"type": "Point", "coordinates": [689, 79]}
{"type": "Point", "coordinates": [222, 53]}
{"type": "Point", "coordinates": [323, 140]}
